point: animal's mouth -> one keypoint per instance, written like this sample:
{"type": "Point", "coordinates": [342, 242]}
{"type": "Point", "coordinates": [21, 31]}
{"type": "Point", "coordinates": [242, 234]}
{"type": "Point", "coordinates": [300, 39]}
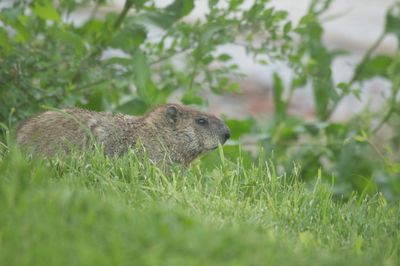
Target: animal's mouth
{"type": "Point", "coordinates": [214, 148]}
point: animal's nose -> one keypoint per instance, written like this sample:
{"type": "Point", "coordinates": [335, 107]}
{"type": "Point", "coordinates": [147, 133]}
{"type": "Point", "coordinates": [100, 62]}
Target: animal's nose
{"type": "Point", "coordinates": [225, 133]}
{"type": "Point", "coordinates": [227, 136]}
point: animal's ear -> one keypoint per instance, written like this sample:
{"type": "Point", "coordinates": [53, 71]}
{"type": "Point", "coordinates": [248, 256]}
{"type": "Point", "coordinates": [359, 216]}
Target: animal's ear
{"type": "Point", "coordinates": [171, 114]}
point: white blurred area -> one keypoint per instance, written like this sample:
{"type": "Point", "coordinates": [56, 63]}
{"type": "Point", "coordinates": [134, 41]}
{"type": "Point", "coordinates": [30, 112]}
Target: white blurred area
{"type": "Point", "coordinates": [349, 25]}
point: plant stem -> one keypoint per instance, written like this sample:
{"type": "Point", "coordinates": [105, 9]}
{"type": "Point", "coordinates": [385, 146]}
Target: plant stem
{"type": "Point", "coordinates": [159, 60]}
{"type": "Point", "coordinates": [367, 56]}
{"type": "Point", "coordinates": [392, 109]}
{"type": "Point", "coordinates": [358, 70]}
{"type": "Point", "coordinates": [103, 44]}
{"type": "Point", "coordinates": [193, 75]}
{"type": "Point", "coordinates": [128, 4]}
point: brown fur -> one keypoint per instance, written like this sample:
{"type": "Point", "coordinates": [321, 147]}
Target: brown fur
{"type": "Point", "coordinates": [169, 131]}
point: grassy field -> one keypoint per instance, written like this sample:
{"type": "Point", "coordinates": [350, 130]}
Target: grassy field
{"type": "Point", "coordinates": [87, 210]}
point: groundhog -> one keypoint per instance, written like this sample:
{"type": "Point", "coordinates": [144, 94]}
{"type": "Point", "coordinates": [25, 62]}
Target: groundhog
{"type": "Point", "coordinates": [170, 131]}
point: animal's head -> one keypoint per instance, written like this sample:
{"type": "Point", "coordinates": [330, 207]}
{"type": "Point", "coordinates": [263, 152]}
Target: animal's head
{"type": "Point", "coordinates": [188, 132]}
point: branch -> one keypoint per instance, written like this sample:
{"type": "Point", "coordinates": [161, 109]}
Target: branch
{"type": "Point", "coordinates": [159, 60]}
{"type": "Point", "coordinates": [392, 109]}
{"type": "Point", "coordinates": [193, 75]}
{"type": "Point", "coordinates": [366, 57]}
{"type": "Point", "coordinates": [103, 44]}
{"type": "Point", "coordinates": [128, 4]}
{"type": "Point", "coordinates": [358, 70]}
{"type": "Point", "coordinates": [128, 73]}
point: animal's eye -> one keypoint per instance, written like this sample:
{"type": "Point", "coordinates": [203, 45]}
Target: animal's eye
{"type": "Point", "coordinates": [202, 121]}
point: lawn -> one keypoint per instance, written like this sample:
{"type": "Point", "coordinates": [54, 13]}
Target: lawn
{"type": "Point", "coordinates": [89, 210]}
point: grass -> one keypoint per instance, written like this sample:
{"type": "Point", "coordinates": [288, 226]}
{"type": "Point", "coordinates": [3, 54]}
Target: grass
{"type": "Point", "coordinates": [88, 210]}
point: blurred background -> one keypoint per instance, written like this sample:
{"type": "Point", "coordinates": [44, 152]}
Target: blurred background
{"type": "Point", "coordinates": [311, 85]}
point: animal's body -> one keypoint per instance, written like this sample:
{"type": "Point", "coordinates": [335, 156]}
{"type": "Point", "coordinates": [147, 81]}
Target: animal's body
{"type": "Point", "coordinates": [169, 131]}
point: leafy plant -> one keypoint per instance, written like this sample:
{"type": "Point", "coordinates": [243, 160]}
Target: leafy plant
{"type": "Point", "coordinates": [349, 150]}
{"type": "Point", "coordinates": [49, 60]}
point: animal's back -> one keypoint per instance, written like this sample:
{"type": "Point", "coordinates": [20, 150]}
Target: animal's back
{"type": "Point", "coordinates": [51, 131]}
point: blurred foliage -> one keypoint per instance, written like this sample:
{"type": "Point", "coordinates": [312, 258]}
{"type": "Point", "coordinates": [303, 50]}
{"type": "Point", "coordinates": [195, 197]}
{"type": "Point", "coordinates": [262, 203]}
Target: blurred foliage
{"type": "Point", "coordinates": [112, 62]}
{"type": "Point", "coordinates": [131, 60]}
{"type": "Point", "coordinates": [352, 151]}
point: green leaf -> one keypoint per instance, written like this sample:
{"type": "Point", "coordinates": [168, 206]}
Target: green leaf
{"type": "Point", "coordinates": [130, 37]}
{"type": "Point", "coordinates": [134, 106]}
{"type": "Point", "coordinates": [180, 8]}
{"type": "Point", "coordinates": [287, 28]}
{"type": "Point", "coordinates": [207, 59]}
{"type": "Point", "coordinates": [240, 127]}
{"type": "Point", "coordinates": [164, 18]}
{"type": "Point", "coordinates": [394, 70]}
{"type": "Point", "coordinates": [19, 22]}
{"type": "Point", "coordinates": [212, 3]}
{"type": "Point", "coordinates": [93, 30]}
{"type": "Point", "coordinates": [5, 44]}
{"type": "Point", "coordinates": [280, 104]}
{"type": "Point", "coordinates": [205, 43]}
{"type": "Point", "coordinates": [234, 4]}
{"type": "Point", "coordinates": [142, 78]}
{"type": "Point", "coordinates": [191, 98]}
{"type": "Point", "coordinates": [324, 93]}
{"type": "Point", "coordinates": [393, 20]}
{"type": "Point", "coordinates": [299, 81]}
{"type": "Point", "coordinates": [71, 39]}
{"type": "Point", "coordinates": [164, 93]}
{"type": "Point", "coordinates": [310, 27]}
{"type": "Point", "coordinates": [376, 66]}
{"type": "Point", "coordinates": [210, 32]}
{"type": "Point", "coordinates": [234, 87]}
{"type": "Point", "coordinates": [46, 12]}
{"type": "Point", "coordinates": [224, 57]}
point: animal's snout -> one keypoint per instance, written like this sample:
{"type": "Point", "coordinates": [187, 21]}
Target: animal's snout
{"type": "Point", "coordinates": [227, 136]}
{"type": "Point", "coordinates": [226, 133]}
